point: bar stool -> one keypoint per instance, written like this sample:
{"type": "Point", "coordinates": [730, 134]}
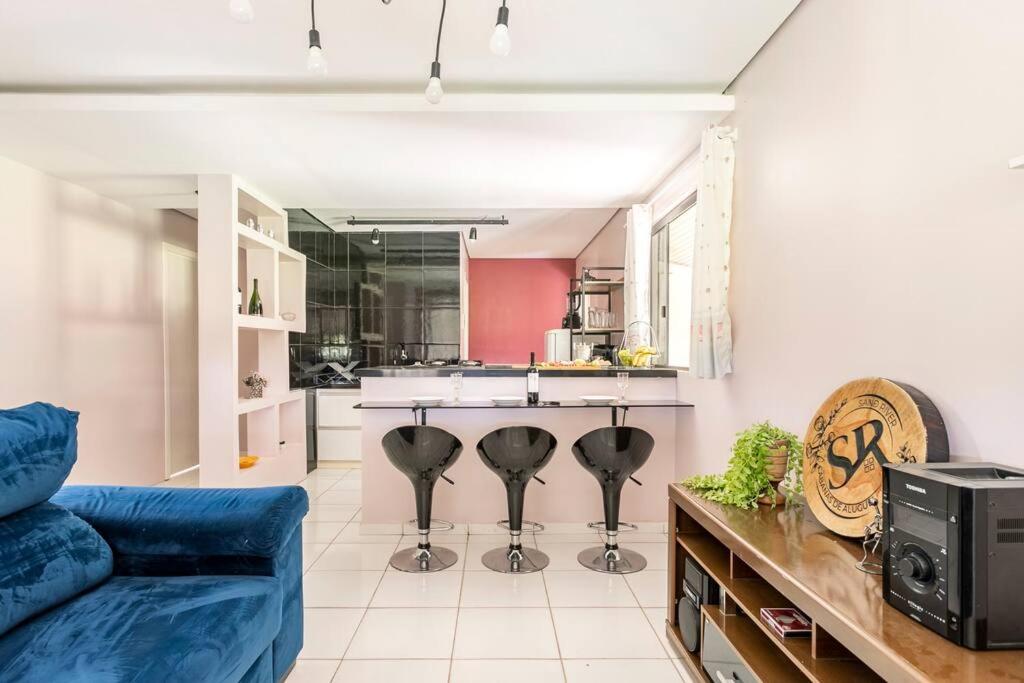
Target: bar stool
{"type": "Point", "coordinates": [516, 454]}
{"type": "Point", "coordinates": [612, 455]}
{"type": "Point", "coordinates": [423, 454]}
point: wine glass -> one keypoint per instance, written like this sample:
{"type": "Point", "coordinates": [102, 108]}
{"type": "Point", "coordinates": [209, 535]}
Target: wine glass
{"type": "Point", "coordinates": [456, 380]}
{"type": "Point", "coordinates": [622, 379]}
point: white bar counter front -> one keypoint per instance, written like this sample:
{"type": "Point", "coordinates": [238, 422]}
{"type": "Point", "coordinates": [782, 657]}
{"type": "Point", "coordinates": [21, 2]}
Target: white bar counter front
{"type": "Point", "coordinates": [571, 494]}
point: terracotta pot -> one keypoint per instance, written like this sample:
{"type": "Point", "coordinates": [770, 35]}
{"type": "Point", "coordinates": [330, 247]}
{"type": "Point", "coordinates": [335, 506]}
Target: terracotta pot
{"type": "Point", "coordinates": [775, 468]}
{"type": "Point", "coordinates": [778, 497]}
{"type": "Point", "coordinates": [776, 463]}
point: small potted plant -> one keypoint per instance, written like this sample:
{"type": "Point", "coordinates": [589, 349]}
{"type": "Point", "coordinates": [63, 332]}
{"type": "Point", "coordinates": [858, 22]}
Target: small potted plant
{"type": "Point", "coordinates": [763, 458]}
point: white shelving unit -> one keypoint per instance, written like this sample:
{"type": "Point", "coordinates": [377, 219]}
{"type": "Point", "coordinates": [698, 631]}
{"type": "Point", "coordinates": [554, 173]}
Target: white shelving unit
{"type": "Point", "coordinates": [1017, 162]}
{"type": "Point", "coordinates": [232, 344]}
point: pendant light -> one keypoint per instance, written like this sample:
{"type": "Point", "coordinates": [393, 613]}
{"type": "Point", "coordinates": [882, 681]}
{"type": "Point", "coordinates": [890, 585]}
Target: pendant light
{"type": "Point", "coordinates": [472, 234]}
{"type": "Point", "coordinates": [375, 236]}
{"type": "Point", "coordinates": [315, 61]}
{"type": "Point", "coordinates": [241, 11]}
{"type": "Point", "coordinates": [501, 42]}
{"type": "Point", "coordinates": [434, 91]}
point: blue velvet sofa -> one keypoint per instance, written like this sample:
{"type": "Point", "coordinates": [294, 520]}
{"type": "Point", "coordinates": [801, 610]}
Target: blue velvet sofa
{"type": "Point", "coordinates": [104, 584]}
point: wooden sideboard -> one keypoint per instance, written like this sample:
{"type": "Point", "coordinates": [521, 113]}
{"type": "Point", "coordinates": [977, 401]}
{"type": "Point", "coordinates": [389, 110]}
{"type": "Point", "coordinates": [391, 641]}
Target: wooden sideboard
{"type": "Point", "coordinates": [784, 558]}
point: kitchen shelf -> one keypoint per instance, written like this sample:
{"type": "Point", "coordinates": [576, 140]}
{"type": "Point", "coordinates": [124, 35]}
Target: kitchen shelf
{"type": "Point", "coordinates": [598, 330]}
{"type": "Point", "coordinates": [1017, 162]}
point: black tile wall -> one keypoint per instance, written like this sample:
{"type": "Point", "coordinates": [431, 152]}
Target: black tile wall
{"type": "Point", "coordinates": [363, 300]}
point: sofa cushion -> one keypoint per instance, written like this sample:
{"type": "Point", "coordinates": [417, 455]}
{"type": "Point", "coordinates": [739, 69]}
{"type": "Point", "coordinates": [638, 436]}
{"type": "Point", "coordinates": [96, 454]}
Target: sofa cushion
{"type": "Point", "coordinates": [153, 521]}
{"type": "Point", "coordinates": [38, 446]}
{"type": "Point", "coordinates": [187, 629]}
{"type": "Point", "coordinates": [47, 555]}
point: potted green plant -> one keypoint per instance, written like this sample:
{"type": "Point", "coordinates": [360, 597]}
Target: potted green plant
{"type": "Point", "coordinates": [763, 457]}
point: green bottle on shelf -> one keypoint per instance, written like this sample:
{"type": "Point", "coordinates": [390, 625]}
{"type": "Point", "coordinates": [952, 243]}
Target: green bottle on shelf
{"type": "Point", "coordinates": [255, 303]}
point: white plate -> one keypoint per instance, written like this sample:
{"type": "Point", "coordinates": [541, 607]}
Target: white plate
{"type": "Point", "coordinates": [427, 400]}
{"type": "Point", "coordinates": [507, 400]}
{"type": "Point", "coordinates": [598, 400]}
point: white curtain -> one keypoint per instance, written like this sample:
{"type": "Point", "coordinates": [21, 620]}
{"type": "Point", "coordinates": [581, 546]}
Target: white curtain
{"type": "Point", "coordinates": [711, 326]}
{"type": "Point", "coordinates": [638, 272]}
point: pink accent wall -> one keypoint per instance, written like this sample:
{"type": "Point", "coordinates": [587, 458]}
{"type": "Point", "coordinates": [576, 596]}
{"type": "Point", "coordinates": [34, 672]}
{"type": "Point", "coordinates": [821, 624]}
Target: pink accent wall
{"type": "Point", "coordinates": [512, 302]}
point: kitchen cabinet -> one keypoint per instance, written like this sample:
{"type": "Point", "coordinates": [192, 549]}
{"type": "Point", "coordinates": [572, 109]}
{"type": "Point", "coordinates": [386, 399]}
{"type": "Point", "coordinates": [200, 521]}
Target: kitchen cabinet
{"type": "Point", "coordinates": [339, 425]}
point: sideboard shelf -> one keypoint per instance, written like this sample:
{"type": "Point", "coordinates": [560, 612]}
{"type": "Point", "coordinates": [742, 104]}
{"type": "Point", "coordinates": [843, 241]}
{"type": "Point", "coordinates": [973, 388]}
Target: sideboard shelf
{"type": "Point", "coordinates": [784, 558]}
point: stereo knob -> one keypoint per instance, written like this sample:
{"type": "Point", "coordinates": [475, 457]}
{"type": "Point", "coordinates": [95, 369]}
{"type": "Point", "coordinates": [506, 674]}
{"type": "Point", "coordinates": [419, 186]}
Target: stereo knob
{"type": "Point", "coordinates": [915, 566]}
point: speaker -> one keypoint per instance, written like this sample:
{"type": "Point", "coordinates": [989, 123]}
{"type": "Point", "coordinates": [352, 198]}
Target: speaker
{"type": "Point", "coordinates": [698, 589]}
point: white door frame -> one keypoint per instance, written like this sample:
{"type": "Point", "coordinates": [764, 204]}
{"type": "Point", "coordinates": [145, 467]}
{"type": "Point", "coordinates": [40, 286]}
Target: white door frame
{"type": "Point", "coordinates": [166, 251]}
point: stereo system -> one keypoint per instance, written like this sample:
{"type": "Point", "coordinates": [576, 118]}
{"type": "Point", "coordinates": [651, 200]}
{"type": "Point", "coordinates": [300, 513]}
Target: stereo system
{"type": "Point", "coordinates": [954, 550]}
{"type": "Point", "coordinates": [698, 589]}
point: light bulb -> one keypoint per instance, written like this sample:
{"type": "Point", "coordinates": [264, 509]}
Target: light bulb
{"type": "Point", "coordinates": [375, 236]}
{"type": "Point", "coordinates": [434, 90]}
{"type": "Point", "coordinates": [315, 62]}
{"type": "Point", "coordinates": [241, 11]}
{"type": "Point", "coordinates": [501, 42]}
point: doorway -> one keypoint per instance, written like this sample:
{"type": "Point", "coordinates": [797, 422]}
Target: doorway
{"type": "Point", "coordinates": [181, 361]}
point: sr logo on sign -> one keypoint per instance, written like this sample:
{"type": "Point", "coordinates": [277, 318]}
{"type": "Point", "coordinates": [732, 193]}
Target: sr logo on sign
{"type": "Point", "coordinates": [861, 426]}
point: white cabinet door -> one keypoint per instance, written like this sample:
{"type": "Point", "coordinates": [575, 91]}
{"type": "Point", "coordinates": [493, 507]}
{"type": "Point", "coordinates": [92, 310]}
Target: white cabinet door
{"type": "Point", "coordinates": [339, 444]}
{"type": "Point", "coordinates": [335, 410]}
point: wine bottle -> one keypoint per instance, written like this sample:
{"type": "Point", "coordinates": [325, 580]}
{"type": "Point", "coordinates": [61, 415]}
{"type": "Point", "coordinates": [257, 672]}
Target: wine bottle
{"type": "Point", "coordinates": [255, 303]}
{"type": "Point", "coordinates": [533, 381]}
{"type": "Point", "coordinates": [238, 300]}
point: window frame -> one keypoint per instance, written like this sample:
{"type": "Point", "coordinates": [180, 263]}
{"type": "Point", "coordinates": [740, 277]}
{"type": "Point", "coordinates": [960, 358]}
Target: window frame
{"type": "Point", "coordinates": [688, 202]}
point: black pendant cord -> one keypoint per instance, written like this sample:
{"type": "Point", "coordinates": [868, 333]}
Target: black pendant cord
{"type": "Point", "coordinates": [312, 13]}
{"type": "Point", "coordinates": [440, 26]}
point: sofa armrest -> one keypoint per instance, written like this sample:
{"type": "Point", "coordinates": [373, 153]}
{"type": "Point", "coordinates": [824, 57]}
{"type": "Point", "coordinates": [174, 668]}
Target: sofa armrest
{"type": "Point", "coordinates": [170, 522]}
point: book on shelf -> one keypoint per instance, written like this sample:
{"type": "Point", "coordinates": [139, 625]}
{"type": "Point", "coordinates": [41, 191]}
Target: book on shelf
{"type": "Point", "coordinates": [786, 622]}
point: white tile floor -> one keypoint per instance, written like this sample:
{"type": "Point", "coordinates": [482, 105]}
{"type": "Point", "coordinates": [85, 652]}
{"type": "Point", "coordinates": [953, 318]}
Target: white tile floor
{"type": "Point", "coordinates": [367, 622]}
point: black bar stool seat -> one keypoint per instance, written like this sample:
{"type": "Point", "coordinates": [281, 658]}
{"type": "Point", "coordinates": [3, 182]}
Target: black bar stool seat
{"type": "Point", "coordinates": [612, 455]}
{"type": "Point", "coordinates": [423, 454]}
{"type": "Point", "coordinates": [516, 454]}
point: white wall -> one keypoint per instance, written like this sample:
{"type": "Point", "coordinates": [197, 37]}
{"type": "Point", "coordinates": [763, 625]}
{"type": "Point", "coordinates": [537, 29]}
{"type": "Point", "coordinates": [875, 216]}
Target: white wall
{"type": "Point", "coordinates": [80, 301]}
{"type": "Point", "coordinates": [877, 229]}
{"type": "Point", "coordinates": [608, 247]}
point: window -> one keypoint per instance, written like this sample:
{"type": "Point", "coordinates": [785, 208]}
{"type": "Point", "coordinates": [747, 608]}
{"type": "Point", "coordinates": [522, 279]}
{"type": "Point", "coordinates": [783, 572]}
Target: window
{"type": "Point", "coordinates": [672, 282]}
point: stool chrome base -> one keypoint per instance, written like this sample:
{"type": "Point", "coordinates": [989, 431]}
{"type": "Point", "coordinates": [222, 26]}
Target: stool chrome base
{"type": "Point", "coordinates": [607, 561]}
{"type": "Point", "coordinates": [417, 561]}
{"type": "Point", "coordinates": [506, 561]}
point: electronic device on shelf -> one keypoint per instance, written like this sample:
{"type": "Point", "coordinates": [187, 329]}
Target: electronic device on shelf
{"type": "Point", "coordinates": [698, 589]}
{"type": "Point", "coordinates": [954, 550]}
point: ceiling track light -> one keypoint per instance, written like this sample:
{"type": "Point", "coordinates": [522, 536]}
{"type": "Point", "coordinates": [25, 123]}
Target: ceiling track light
{"type": "Point", "coordinates": [472, 234]}
{"type": "Point", "coordinates": [501, 42]}
{"type": "Point", "coordinates": [434, 91]}
{"type": "Point", "coordinates": [375, 236]}
{"type": "Point", "coordinates": [427, 222]}
{"type": "Point", "coordinates": [315, 61]}
{"type": "Point", "coordinates": [241, 11]}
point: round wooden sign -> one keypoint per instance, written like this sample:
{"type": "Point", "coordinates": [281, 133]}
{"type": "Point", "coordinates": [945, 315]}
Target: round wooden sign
{"type": "Point", "coordinates": [862, 425]}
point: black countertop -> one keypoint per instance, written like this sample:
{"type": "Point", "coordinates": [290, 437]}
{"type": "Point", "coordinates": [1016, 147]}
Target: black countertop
{"type": "Point", "coordinates": [506, 371]}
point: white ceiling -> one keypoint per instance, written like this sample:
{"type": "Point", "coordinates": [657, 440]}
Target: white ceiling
{"type": "Point", "coordinates": [530, 233]}
{"type": "Point", "coordinates": [558, 170]}
{"type": "Point", "coordinates": [689, 45]}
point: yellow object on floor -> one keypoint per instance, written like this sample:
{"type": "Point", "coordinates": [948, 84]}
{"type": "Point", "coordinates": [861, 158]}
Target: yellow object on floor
{"type": "Point", "coordinates": [245, 461]}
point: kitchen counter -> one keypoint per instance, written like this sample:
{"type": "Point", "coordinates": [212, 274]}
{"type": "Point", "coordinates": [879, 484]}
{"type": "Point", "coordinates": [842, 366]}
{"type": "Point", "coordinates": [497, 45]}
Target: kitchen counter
{"type": "Point", "coordinates": [507, 371]}
{"type": "Point", "coordinates": [572, 495]}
